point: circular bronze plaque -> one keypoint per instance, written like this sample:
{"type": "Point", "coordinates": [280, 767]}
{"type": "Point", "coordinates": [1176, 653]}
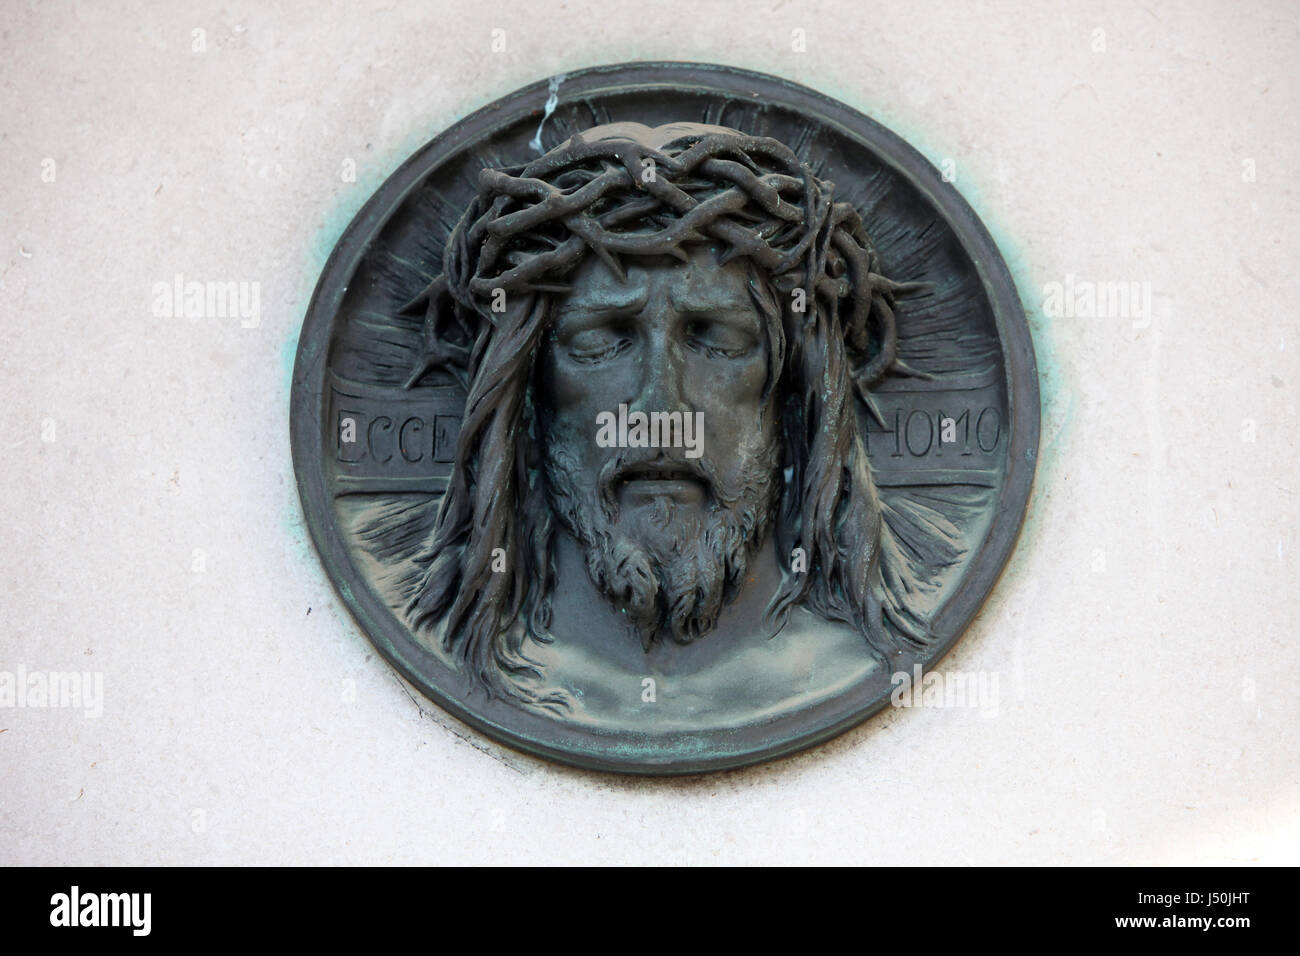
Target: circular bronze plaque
{"type": "Point", "coordinates": [654, 418]}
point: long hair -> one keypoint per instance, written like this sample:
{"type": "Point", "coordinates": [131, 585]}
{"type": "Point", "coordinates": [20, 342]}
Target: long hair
{"type": "Point", "coordinates": [624, 189]}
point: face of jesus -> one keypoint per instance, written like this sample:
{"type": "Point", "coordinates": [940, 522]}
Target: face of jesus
{"type": "Point", "coordinates": [664, 531]}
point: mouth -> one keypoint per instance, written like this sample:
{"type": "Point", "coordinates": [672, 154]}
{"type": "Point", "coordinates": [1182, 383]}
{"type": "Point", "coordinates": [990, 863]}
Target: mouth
{"type": "Point", "coordinates": [661, 479]}
{"type": "Point", "coordinates": [657, 473]}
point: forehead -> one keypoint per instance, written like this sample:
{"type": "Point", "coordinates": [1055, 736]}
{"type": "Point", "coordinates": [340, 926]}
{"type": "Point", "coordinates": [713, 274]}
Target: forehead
{"type": "Point", "coordinates": [699, 284]}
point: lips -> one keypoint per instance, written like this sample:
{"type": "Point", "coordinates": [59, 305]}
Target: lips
{"type": "Point", "coordinates": [659, 479]}
{"type": "Point", "coordinates": [658, 472]}
{"type": "Point", "coordinates": [652, 480]}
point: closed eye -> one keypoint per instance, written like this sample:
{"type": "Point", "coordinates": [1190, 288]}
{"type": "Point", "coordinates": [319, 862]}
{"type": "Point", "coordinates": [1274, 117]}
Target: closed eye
{"type": "Point", "coordinates": [718, 339]}
{"type": "Point", "coordinates": [597, 345]}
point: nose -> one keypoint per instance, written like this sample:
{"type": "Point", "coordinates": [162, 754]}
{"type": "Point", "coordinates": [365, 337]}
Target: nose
{"type": "Point", "coordinates": [662, 386]}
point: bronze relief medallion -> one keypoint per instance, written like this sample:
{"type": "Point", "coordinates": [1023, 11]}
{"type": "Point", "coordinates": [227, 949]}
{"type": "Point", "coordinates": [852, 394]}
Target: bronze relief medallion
{"type": "Point", "coordinates": [654, 429]}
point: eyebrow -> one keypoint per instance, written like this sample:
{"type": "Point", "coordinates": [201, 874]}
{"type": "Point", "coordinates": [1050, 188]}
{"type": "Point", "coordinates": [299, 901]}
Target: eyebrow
{"type": "Point", "coordinates": [606, 305]}
{"type": "Point", "coordinates": [730, 313]}
{"type": "Point", "coordinates": [726, 308]}
{"type": "Point", "coordinates": [709, 302]}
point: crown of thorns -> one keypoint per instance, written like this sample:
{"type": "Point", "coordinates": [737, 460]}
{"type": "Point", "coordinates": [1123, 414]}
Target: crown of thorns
{"type": "Point", "coordinates": [531, 224]}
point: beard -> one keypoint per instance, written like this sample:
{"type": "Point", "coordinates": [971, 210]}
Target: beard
{"type": "Point", "coordinates": [669, 568]}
